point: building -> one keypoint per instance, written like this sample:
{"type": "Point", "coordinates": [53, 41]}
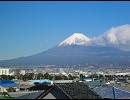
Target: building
{"type": "Point", "coordinates": [23, 72]}
{"type": "Point", "coordinates": [6, 71]}
{"type": "Point", "coordinates": [110, 92]}
{"type": "Point", "coordinates": [73, 90]}
{"type": "Point", "coordinates": [5, 84]}
{"type": "Point", "coordinates": [63, 81]}
{"type": "Point", "coordinates": [44, 81]}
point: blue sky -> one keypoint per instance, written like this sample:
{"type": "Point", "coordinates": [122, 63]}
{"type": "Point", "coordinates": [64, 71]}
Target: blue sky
{"type": "Point", "coordinates": [30, 27]}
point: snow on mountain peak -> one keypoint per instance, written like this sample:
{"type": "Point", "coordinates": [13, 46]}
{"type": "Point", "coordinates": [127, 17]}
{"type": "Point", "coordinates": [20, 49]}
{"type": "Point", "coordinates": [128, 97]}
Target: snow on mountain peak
{"type": "Point", "coordinates": [76, 39]}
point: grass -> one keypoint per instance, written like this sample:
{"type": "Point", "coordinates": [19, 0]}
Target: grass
{"type": "Point", "coordinates": [6, 97]}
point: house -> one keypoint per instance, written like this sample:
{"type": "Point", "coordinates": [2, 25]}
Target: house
{"type": "Point", "coordinates": [110, 92]}
{"type": "Point", "coordinates": [74, 90]}
{"type": "Point", "coordinates": [5, 84]}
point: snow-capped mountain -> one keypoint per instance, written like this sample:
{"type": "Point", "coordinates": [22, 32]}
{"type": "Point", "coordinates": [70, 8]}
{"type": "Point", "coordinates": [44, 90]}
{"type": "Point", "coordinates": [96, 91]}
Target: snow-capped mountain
{"type": "Point", "coordinates": [76, 49]}
{"type": "Point", "coordinates": [76, 39]}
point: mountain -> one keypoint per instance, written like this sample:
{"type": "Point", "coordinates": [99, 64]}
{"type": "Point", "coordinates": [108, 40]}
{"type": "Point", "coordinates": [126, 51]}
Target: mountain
{"type": "Point", "coordinates": [77, 49]}
{"type": "Point", "coordinates": [76, 39]}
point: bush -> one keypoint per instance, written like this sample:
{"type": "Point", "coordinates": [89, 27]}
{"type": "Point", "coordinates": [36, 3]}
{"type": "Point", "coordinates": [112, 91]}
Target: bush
{"type": "Point", "coordinates": [11, 89]}
{"type": "Point", "coordinates": [5, 94]}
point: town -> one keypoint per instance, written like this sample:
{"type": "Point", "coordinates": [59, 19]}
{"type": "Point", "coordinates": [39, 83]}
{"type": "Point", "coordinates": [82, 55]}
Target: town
{"type": "Point", "coordinates": [20, 82]}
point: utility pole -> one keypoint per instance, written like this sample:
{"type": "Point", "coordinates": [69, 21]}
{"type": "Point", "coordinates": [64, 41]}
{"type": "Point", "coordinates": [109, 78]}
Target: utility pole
{"type": "Point", "coordinates": [40, 78]}
{"type": "Point", "coordinates": [19, 84]}
{"type": "Point", "coordinates": [104, 78]}
{"type": "Point", "coordinates": [113, 91]}
{"type": "Point", "coordinates": [18, 77]}
{"type": "Point", "coordinates": [53, 77]}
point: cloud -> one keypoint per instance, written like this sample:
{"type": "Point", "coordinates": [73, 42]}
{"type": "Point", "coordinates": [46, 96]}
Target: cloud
{"type": "Point", "coordinates": [119, 35]}
{"type": "Point", "coordinates": [116, 37]}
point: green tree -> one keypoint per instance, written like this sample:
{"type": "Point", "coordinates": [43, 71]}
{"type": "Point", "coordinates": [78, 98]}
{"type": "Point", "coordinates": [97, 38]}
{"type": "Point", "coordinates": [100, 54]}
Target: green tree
{"type": "Point", "coordinates": [46, 75]}
{"type": "Point", "coordinates": [70, 77]}
{"type": "Point", "coordinates": [101, 77]}
{"type": "Point", "coordinates": [25, 77]}
{"type": "Point", "coordinates": [40, 76]}
{"type": "Point", "coordinates": [51, 77]}
{"type": "Point", "coordinates": [10, 77]}
{"type": "Point", "coordinates": [94, 76]}
{"type": "Point", "coordinates": [4, 77]}
{"type": "Point", "coordinates": [58, 77]}
{"type": "Point", "coordinates": [81, 75]}
{"type": "Point", "coordinates": [11, 89]}
{"type": "Point", "coordinates": [109, 77]}
{"type": "Point", "coordinates": [28, 76]}
{"type": "Point", "coordinates": [64, 77]}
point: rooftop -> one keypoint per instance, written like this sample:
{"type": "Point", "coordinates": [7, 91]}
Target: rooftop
{"type": "Point", "coordinates": [77, 90]}
{"type": "Point", "coordinates": [7, 83]}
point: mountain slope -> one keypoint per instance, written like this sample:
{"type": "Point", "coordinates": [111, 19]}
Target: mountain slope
{"type": "Point", "coordinates": [71, 52]}
{"type": "Point", "coordinates": [75, 55]}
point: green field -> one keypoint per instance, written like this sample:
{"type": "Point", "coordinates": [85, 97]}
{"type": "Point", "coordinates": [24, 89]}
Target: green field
{"type": "Point", "coordinates": [6, 97]}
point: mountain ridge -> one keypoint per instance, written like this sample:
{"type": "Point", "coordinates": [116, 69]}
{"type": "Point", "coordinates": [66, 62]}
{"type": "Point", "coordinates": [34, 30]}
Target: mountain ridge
{"type": "Point", "coordinates": [73, 54]}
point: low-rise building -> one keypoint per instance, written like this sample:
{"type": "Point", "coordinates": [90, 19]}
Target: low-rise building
{"type": "Point", "coordinates": [23, 72]}
{"type": "Point", "coordinates": [6, 71]}
{"type": "Point", "coordinates": [5, 84]}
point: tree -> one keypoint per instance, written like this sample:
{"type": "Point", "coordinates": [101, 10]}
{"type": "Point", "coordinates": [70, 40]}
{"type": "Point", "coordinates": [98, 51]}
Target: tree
{"type": "Point", "coordinates": [70, 77]}
{"type": "Point", "coordinates": [51, 77]}
{"type": "Point", "coordinates": [58, 77]}
{"type": "Point", "coordinates": [64, 77]}
{"type": "Point", "coordinates": [18, 75]}
{"type": "Point", "coordinates": [4, 77]}
{"type": "Point", "coordinates": [109, 77]}
{"type": "Point", "coordinates": [101, 77]}
{"type": "Point", "coordinates": [28, 76]}
{"type": "Point", "coordinates": [81, 75]}
{"type": "Point", "coordinates": [94, 76]}
{"type": "Point", "coordinates": [10, 77]}
{"type": "Point", "coordinates": [11, 89]}
{"type": "Point", "coordinates": [5, 94]}
{"type": "Point", "coordinates": [25, 77]}
{"type": "Point", "coordinates": [46, 76]}
{"type": "Point", "coordinates": [40, 76]}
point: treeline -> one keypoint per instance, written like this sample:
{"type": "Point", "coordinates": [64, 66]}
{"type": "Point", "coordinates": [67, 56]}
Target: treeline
{"type": "Point", "coordinates": [32, 76]}
{"type": "Point", "coordinates": [7, 77]}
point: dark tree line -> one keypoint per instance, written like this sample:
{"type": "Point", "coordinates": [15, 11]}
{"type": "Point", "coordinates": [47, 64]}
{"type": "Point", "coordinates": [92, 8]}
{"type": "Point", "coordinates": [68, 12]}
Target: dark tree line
{"type": "Point", "coordinates": [6, 77]}
{"type": "Point", "coordinates": [31, 76]}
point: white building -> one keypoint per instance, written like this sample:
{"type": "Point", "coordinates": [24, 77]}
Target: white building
{"type": "Point", "coordinates": [6, 71]}
{"type": "Point", "coordinates": [127, 73]}
{"type": "Point", "coordinates": [23, 72]}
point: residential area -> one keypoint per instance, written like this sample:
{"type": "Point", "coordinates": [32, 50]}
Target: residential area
{"type": "Point", "coordinates": [23, 83]}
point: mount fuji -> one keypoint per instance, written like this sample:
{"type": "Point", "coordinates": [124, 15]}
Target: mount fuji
{"type": "Point", "coordinates": [76, 49]}
{"type": "Point", "coordinates": [76, 39]}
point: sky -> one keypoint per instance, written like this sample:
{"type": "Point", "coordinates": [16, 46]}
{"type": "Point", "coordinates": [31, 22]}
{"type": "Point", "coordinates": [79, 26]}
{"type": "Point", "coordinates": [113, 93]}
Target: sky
{"type": "Point", "coordinates": [30, 27]}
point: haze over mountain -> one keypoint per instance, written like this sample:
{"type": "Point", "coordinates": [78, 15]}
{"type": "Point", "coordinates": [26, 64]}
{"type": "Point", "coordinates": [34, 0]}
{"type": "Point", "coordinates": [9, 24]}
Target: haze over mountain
{"type": "Point", "coordinates": [109, 48]}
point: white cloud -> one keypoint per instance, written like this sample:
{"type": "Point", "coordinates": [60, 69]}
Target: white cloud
{"type": "Point", "coordinates": [119, 35]}
{"type": "Point", "coordinates": [116, 36]}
